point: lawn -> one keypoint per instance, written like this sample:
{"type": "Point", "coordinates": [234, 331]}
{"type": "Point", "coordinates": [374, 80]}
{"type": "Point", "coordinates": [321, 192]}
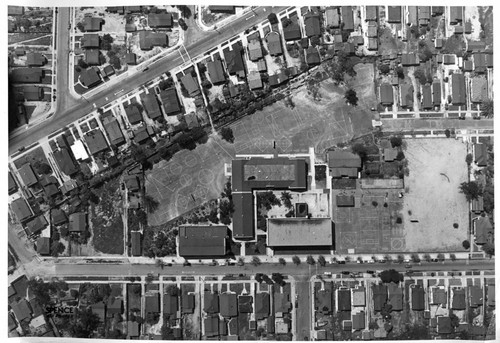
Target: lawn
{"type": "Point", "coordinates": [437, 167]}
{"type": "Point", "coordinates": [14, 38]}
{"type": "Point", "coordinates": [133, 300]}
{"type": "Point", "coordinates": [106, 219]}
{"type": "Point", "coordinates": [33, 156]}
{"type": "Point", "coordinates": [46, 40]}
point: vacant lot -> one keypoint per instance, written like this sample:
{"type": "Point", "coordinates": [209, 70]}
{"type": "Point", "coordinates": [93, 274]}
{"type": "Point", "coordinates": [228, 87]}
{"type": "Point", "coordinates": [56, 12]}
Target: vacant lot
{"type": "Point", "coordinates": [437, 167]}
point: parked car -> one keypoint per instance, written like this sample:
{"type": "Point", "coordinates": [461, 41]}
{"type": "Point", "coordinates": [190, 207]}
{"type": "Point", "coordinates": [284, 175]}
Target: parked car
{"type": "Point", "coordinates": [341, 262]}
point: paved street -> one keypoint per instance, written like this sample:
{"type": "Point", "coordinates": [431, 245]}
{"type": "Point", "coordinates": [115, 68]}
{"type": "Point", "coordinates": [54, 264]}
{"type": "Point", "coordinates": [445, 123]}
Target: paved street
{"type": "Point", "coordinates": [435, 124]}
{"type": "Point", "coordinates": [77, 109]}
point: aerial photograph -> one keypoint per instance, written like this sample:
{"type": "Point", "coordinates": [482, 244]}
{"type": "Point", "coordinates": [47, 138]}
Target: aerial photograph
{"type": "Point", "coordinates": [279, 173]}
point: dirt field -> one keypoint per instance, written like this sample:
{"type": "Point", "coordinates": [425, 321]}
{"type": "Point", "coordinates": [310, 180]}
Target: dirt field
{"type": "Point", "coordinates": [437, 167]}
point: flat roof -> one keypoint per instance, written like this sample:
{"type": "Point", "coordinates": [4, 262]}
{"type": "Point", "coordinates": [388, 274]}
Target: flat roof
{"type": "Point", "coordinates": [202, 240]}
{"type": "Point", "coordinates": [299, 232]}
{"type": "Point", "coordinates": [243, 227]}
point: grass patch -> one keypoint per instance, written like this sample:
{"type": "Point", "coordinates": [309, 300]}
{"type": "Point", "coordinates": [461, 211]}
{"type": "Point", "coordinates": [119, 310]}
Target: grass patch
{"type": "Point", "coordinates": [106, 219]}
{"type": "Point", "coordinates": [21, 37]}
{"type": "Point", "coordinates": [34, 156]}
{"type": "Point", "coordinates": [41, 41]}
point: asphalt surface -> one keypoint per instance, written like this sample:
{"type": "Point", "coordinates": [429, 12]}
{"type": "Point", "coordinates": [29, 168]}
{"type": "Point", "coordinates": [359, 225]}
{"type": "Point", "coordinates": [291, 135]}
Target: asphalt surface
{"type": "Point", "coordinates": [69, 110]}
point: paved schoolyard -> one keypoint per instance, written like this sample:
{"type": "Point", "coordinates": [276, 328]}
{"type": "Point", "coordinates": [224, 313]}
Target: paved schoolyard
{"type": "Point", "coordinates": [188, 179]}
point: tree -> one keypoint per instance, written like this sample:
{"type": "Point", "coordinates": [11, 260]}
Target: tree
{"type": "Point", "coordinates": [453, 257]}
{"type": "Point", "coordinates": [273, 18]}
{"type": "Point", "coordinates": [360, 150]}
{"type": "Point", "coordinates": [471, 190]}
{"type": "Point", "coordinates": [43, 168]}
{"type": "Point", "coordinates": [391, 275]}
{"type": "Point", "coordinates": [469, 159]}
{"type": "Point", "coordinates": [400, 72]}
{"type": "Point", "coordinates": [149, 278]}
{"type": "Point", "coordinates": [57, 248]}
{"type": "Point", "coordinates": [256, 261]}
{"type": "Point", "coordinates": [165, 84]}
{"type": "Point", "coordinates": [267, 200]}
{"type": "Point", "coordinates": [278, 278]}
{"type": "Point", "coordinates": [106, 41]}
{"type": "Point", "coordinates": [82, 64]}
{"type": "Point", "coordinates": [420, 76]}
{"type": "Point", "coordinates": [401, 258]}
{"type": "Point", "coordinates": [310, 260]}
{"type": "Point", "coordinates": [447, 133]}
{"type": "Point", "coordinates": [115, 62]}
{"type": "Point", "coordinates": [150, 203]}
{"type": "Point", "coordinates": [427, 257]}
{"type": "Point", "coordinates": [384, 68]}
{"type": "Point", "coordinates": [86, 324]}
{"type": "Point", "coordinates": [321, 260]}
{"type": "Point", "coordinates": [455, 322]}
{"type": "Point", "coordinates": [489, 249]}
{"type": "Point", "coordinates": [241, 261]}
{"type": "Point", "coordinates": [466, 244]}
{"type": "Point", "coordinates": [351, 97]}
{"type": "Point", "coordinates": [487, 108]}
{"type": "Point", "coordinates": [396, 141]}
{"type": "Point", "coordinates": [296, 260]}
{"type": "Point", "coordinates": [227, 134]}
{"type": "Point", "coordinates": [80, 26]}
{"type": "Point", "coordinates": [286, 198]}
{"type": "Point", "coordinates": [440, 257]}
{"type": "Point", "coordinates": [282, 261]}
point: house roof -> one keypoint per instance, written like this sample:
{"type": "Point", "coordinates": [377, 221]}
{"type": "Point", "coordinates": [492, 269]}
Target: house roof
{"type": "Point", "coordinates": [427, 96]}
{"type": "Point", "coordinates": [479, 62]}
{"type": "Point", "coordinates": [479, 89]}
{"type": "Point", "coordinates": [358, 296]}
{"type": "Point", "coordinates": [254, 80]}
{"type": "Point", "coordinates": [444, 325]}
{"type": "Point", "coordinates": [78, 222]}
{"type": "Point", "coordinates": [438, 296]}
{"type": "Point", "coordinates": [12, 184]}
{"type": "Point", "coordinates": [91, 24]}
{"type": "Point", "coordinates": [406, 93]}
{"type": "Point", "coordinates": [211, 324]}
{"type": "Point", "coordinates": [476, 46]}
{"type": "Point", "coordinates": [482, 227]}
{"type": "Point", "coordinates": [141, 135]}
{"type": "Point", "coordinates": [170, 101]}
{"type": "Point", "coordinates": [234, 60]}
{"type": "Point", "coordinates": [491, 295]}
{"type": "Point", "coordinates": [379, 296]}
{"type": "Point", "coordinates": [95, 141]}
{"type": "Point", "coordinates": [410, 59]}
{"type": "Point", "coordinates": [26, 75]}
{"type": "Point", "coordinates": [20, 285]}
{"type": "Point", "coordinates": [156, 20]}
{"type": "Point", "coordinates": [390, 154]}
{"type": "Point", "coordinates": [347, 18]}
{"type": "Point", "coordinates": [254, 50]}
{"type": "Point", "coordinates": [113, 130]}
{"type": "Point", "coordinates": [50, 190]}
{"type": "Point", "coordinates": [274, 43]}
{"type": "Point", "coordinates": [11, 322]}
{"type": "Point", "coordinates": [292, 32]}
{"type": "Point", "coordinates": [136, 243]}
{"type": "Point", "coordinates": [108, 70]}
{"type": "Point", "coordinates": [394, 14]}
{"type": "Point", "coordinates": [211, 302]}
{"type": "Point", "coordinates": [436, 93]}
{"type": "Point", "coordinates": [43, 245]}
{"type": "Point", "coordinates": [282, 232]}
{"type": "Point", "coordinates": [27, 175]}
{"type": "Point", "coordinates": [225, 9]}
{"type": "Point", "coordinates": [281, 302]}
{"type": "Point", "coordinates": [345, 200]}
{"type": "Point", "coordinates": [449, 59]}
{"type": "Point", "coordinates": [245, 304]}
{"type": "Point", "coordinates": [372, 31]}
{"type": "Point", "coordinates": [262, 305]}
{"type": "Point", "coordinates": [35, 59]}
{"type": "Point", "coordinates": [36, 225]}
{"type": "Point", "coordinates": [133, 329]}
{"type": "Point", "coordinates": [344, 300]}
{"type": "Point", "coordinates": [21, 209]}
{"type": "Point", "coordinates": [202, 240]}
{"type": "Point", "coordinates": [114, 305]}
{"type": "Point", "coordinates": [90, 40]}
{"type": "Point", "coordinates": [15, 10]}
{"type": "Point", "coordinates": [312, 56]}
{"type": "Point", "coordinates": [458, 89]}
{"type": "Point", "coordinates": [151, 105]}
{"type": "Point", "coordinates": [228, 305]}
{"type": "Point", "coordinates": [150, 39]}
{"type": "Point", "coordinates": [133, 114]}
{"type": "Point", "coordinates": [417, 298]}
{"type": "Point", "coordinates": [187, 303]}
{"type": "Point", "coordinates": [332, 17]}
{"type": "Point", "coordinates": [386, 94]}
{"type": "Point", "coordinates": [313, 24]}
{"type": "Point", "coordinates": [191, 120]}
{"type": "Point", "coordinates": [475, 296]}
{"type": "Point", "coordinates": [395, 296]}
{"type": "Point", "coordinates": [324, 301]}
{"type": "Point", "coordinates": [358, 321]}
{"type": "Point", "coordinates": [21, 309]}
{"type": "Point", "coordinates": [33, 93]}
{"type": "Point", "coordinates": [343, 159]}
{"type": "Point", "coordinates": [152, 304]}
{"type": "Point", "coordinates": [170, 303]}
{"type": "Point", "coordinates": [371, 13]}
{"type": "Point", "coordinates": [191, 84]}
{"type": "Point", "coordinates": [478, 204]}
{"type": "Point", "coordinates": [130, 28]}
{"type": "Point", "coordinates": [243, 227]}
{"type": "Point", "coordinates": [89, 77]}
{"type": "Point", "coordinates": [65, 162]}
{"type": "Point", "coordinates": [456, 14]}
{"type": "Point", "coordinates": [216, 71]}
{"type": "Point", "coordinates": [278, 78]}
{"type": "Point", "coordinates": [131, 58]}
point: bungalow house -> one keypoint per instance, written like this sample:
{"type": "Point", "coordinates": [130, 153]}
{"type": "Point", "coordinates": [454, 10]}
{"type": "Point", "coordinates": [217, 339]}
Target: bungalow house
{"type": "Point", "coordinates": [456, 15]}
{"type": "Point", "coordinates": [274, 43]}
{"type": "Point", "coordinates": [332, 17]}
{"type": "Point", "coordinates": [21, 209]}
{"type": "Point", "coordinates": [254, 80]}
{"type": "Point", "coordinates": [21, 310]}
{"type": "Point", "coordinates": [281, 303]}
{"type": "Point", "coordinates": [343, 164]}
{"type": "Point", "coordinates": [234, 61]}
{"type": "Point", "coordinates": [291, 32]}
{"type": "Point", "coordinates": [417, 298]}
{"type": "Point", "coordinates": [78, 222]}
{"type": "Point", "coordinates": [27, 75]}
{"type": "Point", "coordinates": [228, 305]}
{"type": "Point", "coordinates": [65, 162]}
{"type": "Point", "coordinates": [395, 296]}
{"type": "Point", "coordinates": [28, 176]}
{"type": "Point", "coordinates": [468, 66]}
{"type": "Point", "coordinates": [216, 71]}
{"type": "Point", "coordinates": [58, 217]}
{"type": "Point", "coordinates": [192, 120]}
{"type": "Point", "coordinates": [379, 296]}
{"type": "Point", "coordinates": [160, 20]}
{"type": "Point", "coordinates": [115, 9]}
{"type": "Point", "coordinates": [135, 237]}
{"type": "Point", "coordinates": [424, 15]}
{"type": "Point", "coordinates": [386, 94]}
{"type": "Point", "coordinates": [133, 114]}
{"type": "Point", "coordinates": [372, 44]}
{"type": "Point", "coordinates": [90, 41]}
{"type": "Point", "coordinates": [131, 58]}
{"type": "Point", "coordinates": [191, 84]}
{"type": "Point", "coordinates": [410, 59]}
{"type": "Point", "coordinates": [479, 89]}
{"type": "Point", "coordinates": [245, 304]}
{"type": "Point", "coordinates": [358, 321]}
{"type": "Point", "coordinates": [476, 46]}
{"type": "Point", "coordinates": [491, 295]}
{"type": "Point", "coordinates": [170, 101]}
{"type": "Point", "coordinates": [406, 95]}
{"type": "Point", "coordinates": [358, 296]}
{"type": "Point", "coordinates": [12, 184]}
{"type": "Point", "coordinates": [133, 329]}
{"type": "Point", "coordinates": [426, 97]}
{"type": "Point", "coordinates": [33, 93]}
{"type": "Point", "coordinates": [113, 130]}
{"type": "Point", "coordinates": [438, 296]}
{"type": "Point", "coordinates": [15, 10]}
{"type": "Point", "coordinates": [347, 18]}
{"type": "Point", "coordinates": [312, 23]}
{"type": "Point", "coordinates": [394, 14]}
{"type": "Point", "coordinates": [108, 70]}
{"type": "Point", "coordinates": [151, 105]}
{"type": "Point", "coordinates": [211, 325]}
{"type": "Point", "coordinates": [152, 303]}
{"type": "Point", "coordinates": [412, 16]}
{"type": "Point", "coordinates": [449, 59]}
{"type": "Point", "coordinates": [323, 301]}
{"type": "Point", "coordinates": [371, 13]}
{"type": "Point", "coordinates": [478, 205]}
{"type": "Point", "coordinates": [92, 57]}
{"type": "Point", "coordinates": [254, 50]}
{"type": "Point", "coordinates": [90, 78]}
{"type": "Point", "coordinates": [187, 303]}
{"type": "Point", "coordinates": [262, 305]}
{"type": "Point", "coordinates": [170, 304]}
{"type": "Point", "coordinates": [211, 302]}
{"type": "Point", "coordinates": [92, 24]}
{"type": "Point", "coordinates": [114, 306]}
{"type": "Point", "coordinates": [35, 59]}
{"type": "Point", "coordinates": [372, 30]}
{"type": "Point", "coordinates": [343, 300]}
{"type": "Point", "coordinates": [480, 154]}
{"type": "Point", "coordinates": [458, 299]}
{"type": "Point", "coordinates": [444, 325]}
{"type": "Point", "coordinates": [458, 89]}
{"type": "Point", "coordinates": [133, 9]}
{"type": "Point", "coordinates": [36, 225]}
{"type": "Point", "coordinates": [436, 93]}
{"type": "Point", "coordinates": [390, 154]}
{"type": "Point", "coordinates": [475, 295]}
{"type": "Point", "coordinates": [312, 56]}
{"type": "Point", "coordinates": [277, 79]}
{"type": "Point", "coordinates": [149, 39]}
{"type": "Point", "coordinates": [482, 229]}
{"type": "Point", "coordinates": [95, 141]}
{"type": "Point", "coordinates": [43, 246]}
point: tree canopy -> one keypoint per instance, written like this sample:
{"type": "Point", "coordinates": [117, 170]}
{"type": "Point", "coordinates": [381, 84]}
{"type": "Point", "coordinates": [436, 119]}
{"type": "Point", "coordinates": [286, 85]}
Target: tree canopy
{"type": "Point", "coordinates": [391, 275]}
{"type": "Point", "coordinates": [471, 189]}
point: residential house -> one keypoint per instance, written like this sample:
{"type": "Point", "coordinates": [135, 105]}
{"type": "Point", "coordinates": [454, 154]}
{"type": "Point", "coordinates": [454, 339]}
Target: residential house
{"type": "Point", "coordinates": [92, 24]}
{"type": "Point", "coordinates": [343, 300]}
{"type": "Point", "coordinates": [312, 24]}
{"type": "Point", "coordinates": [436, 93]}
{"type": "Point", "coordinates": [372, 30]}
{"type": "Point", "coordinates": [115, 9]}
{"type": "Point", "coordinates": [198, 241]}
{"type": "Point", "coordinates": [133, 9]}
{"type": "Point", "coordinates": [456, 15]}
{"type": "Point", "coordinates": [12, 184]}
{"type": "Point", "coordinates": [274, 43]}
{"type": "Point", "coordinates": [394, 14]}
{"type": "Point", "coordinates": [90, 77]}
{"type": "Point", "coordinates": [152, 304]}
{"type": "Point", "coordinates": [191, 85]}
{"type": "Point", "coordinates": [216, 71]}
{"type": "Point", "coordinates": [15, 10]}
{"type": "Point", "coordinates": [458, 299]}
{"type": "Point", "coordinates": [135, 237]}
{"type": "Point", "coordinates": [78, 222]}
{"type": "Point", "coordinates": [21, 209]}
{"type": "Point", "coordinates": [343, 163]}
{"type": "Point", "coordinates": [228, 305]}
{"type": "Point", "coordinates": [281, 303]}
{"type": "Point", "coordinates": [444, 325]}
{"type": "Point", "coordinates": [291, 32]}
{"type": "Point", "coordinates": [427, 97]}
{"type": "Point", "coordinates": [65, 162]}
{"type": "Point", "coordinates": [108, 71]}
{"type": "Point", "coordinates": [33, 93]}
{"type": "Point", "coordinates": [130, 27]}
{"type": "Point", "coordinates": [90, 41]}
{"type": "Point", "coordinates": [468, 66]}
{"type": "Point", "coordinates": [478, 205]}
{"type": "Point", "coordinates": [323, 301]}
{"type": "Point", "coordinates": [133, 114]}
{"type": "Point", "coordinates": [277, 79]}
{"type": "Point", "coordinates": [95, 141]}
{"type": "Point", "coordinates": [406, 95]}
{"type": "Point", "coordinates": [191, 120]}
{"type": "Point", "coordinates": [35, 59]}
{"type": "Point", "coordinates": [410, 59]}
{"type": "Point", "coordinates": [151, 105]}
{"type": "Point", "coordinates": [312, 56]}
{"type": "Point", "coordinates": [170, 101]}
{"type": "Point", "coordinates": [254, 80]}
{"type": "Point", "coordinates": [114, 306]}
{"type": "Point", "coordinates": [438, 296]}
{"type": "Point", "coordinates": [358, 296]}
{"type": "Point", "coordinates": [332, 17]}
{"type": "Point", "coordinates": [211, 302]}
{"type": "Point", "coordinates": [371, 13]}
{"type": "Point", "coordinates": [372, 44]}
{"type": "Point", "coordinates": [476, 46]}
{"type": "Point", "coordinates": [149, 39]}
{"type": "Point", "coordinates": [449, 59]}
{"type": "Point", "coordinates": [482, 230]}
{"type": "Point", "coordinates": [475, 294]}
{"type": "Point", "coordinates": [386, 94]}
{"type": "Point", "coordinates": [21, 310]}
{"type": "Point", "coordinates": [255, 50]}
{"type": "Point", "coordinates": [28, 176]}
{"type": "Point", "coordinates": [58, 217]}
{"type": "Point", "coordinates": [491, 295]}
{"type": "Point", "coordinates": [160, 20]}
{"type": "Point", "coordinates": [479, 62]}
{"type": "Point", "coordinates": [234, 61]}
{"type": "Point", "coordinates": [132, 329]}
{"type": "Point", "coordinates": [245, 304]}
{"type": "Point", "coordinates": [438, 43]}
{"type": "Point", "coordinates": [43, 245]}
{"type": "Point", "coordinates": [211, 324]}
{"type": "Point", "coordinates": [262, 305]}
{"type": "Point", "coordinates": [113, 130]}
{"type": "Point", "coordinates": [379, 296]}
{"type": "Point", "coordinates": [187, 303]}
{"type": "Point", "coordinates": [358, 321]}
{"type": "Point", "coordinates": [412, 16]}
{"type": "Point", "coordinates": [417, 298]}
{"type": "Point", "coordinates": [395, 296]}
{"type": "Point", "coordinates": [479, 89]}
{"type": "Point", "coordinates": [131, 58]}
{"type": "Point", "coordinates": [170, 304]}
{"type": "Point", "coordinates": [347, 18]}
{"type": "Point", "coordinates": [424, 15]}
{"type": "Point", "coordinates": [458, 92]}
{"type": "Point", "coordinates": [27, 75]}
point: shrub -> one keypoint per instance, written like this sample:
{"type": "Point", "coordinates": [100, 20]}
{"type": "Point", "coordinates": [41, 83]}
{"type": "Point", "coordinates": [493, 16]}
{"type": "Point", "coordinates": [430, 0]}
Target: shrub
{"type": "Point", "coordinates": [374, 203]}
{"type": "Point", "coordinates": [455, 225]}
{"type": "Point", "coordinates": [396, 141]}
{"type": "Point", "coordinates": [469, 159]}
{"type": "Point", "coordinates": [466, 244]}
{"type": "Point", "coordinates": [296, 260]}
{"type": "Point", "coordinates": [384, 68]}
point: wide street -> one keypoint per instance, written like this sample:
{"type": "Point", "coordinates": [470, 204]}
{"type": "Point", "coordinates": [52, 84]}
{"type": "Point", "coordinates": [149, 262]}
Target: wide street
{"type": "Point", "coordinates": [70, 110]}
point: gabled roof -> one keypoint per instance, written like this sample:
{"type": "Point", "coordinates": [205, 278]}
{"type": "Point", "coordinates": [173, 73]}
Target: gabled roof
{"type": "Point", "coordinates": [245, 304]}
{"type": "Point", "coordinates": [254, 80]}
{"type": "Point", "coordinates": [395, 296]}
{"type": "Point", "coordinates": [95, 141]}
{"type": "Point", "coordinates": [151, 105]}
{"type": "Point", "coordinates": [456, 14]}
{"type": "Point", "coordinates": [114, 305]}
{"type": "Point", "coordinates": [417, 298]}
{"type": "Point", "coordinates": [35, 59]}
{"type": "Point", "coordinates": [371, 13]}
{"type": "Point", "coordinates": [406, 95]}
{"type": "Point", "coordinates": [234, 61]}
{"type": "Point", "coordinates": [436, 93]}
{"type": "Point", "coordinates": [26, 75]}
{"type": "Point", "coordinates": [108, 70]}
{"type": "Point", "coordinates": [156, 20]}
{"type": "Point", "coordinates": [211, 324]}
{"type": "Point", "coordinates": [475, 296]}
{"type": "Point", "coordinates": [89, 77]}
{"type": "Point", "coordinates": [12, 184]}
{"type": "Point", "coordinates": [324, 301]}
{"type": "Point", "coordinates": [133, 329]}
{"type": "Point", "coordinates": [43, 245]}
{"type": "Point", "coordinates": [312, 56]}
{"type": "Point", "coordinates": [313, 24]}
{"type": "Point", "coordinates": [458, 299]}
{"type": "Point", "coordinates": [358, 321]}
{"type": "Point", "coordinates": [475, 46]}
{"type": "Point", "coordinates": [262, 305]}
{"type": "Point", "coordinates": [150, 39]}
{"type": "Point", "coordinates": [386, 94]}
{"type": "Point", "coordinates": [58, 217]}
{"type": "Point", "coordinates": [358, 296]}
{"type": "Point", "coordinates": [458, 89]}
{"type": "Point", "coordinates": [216, 71]}
{"type": "Point", "coordinates": [347, 18]}
{"type": "Point", "coordinates": [133, 114]}
{"type": "Point", "coordinates": [187, 303]}
{"type": "Point", "coordinates": [90, 40]}
{"type": "Point", "coordinates": [228, 305]}
{"type": "Point", "coordinates": [410, 59]}
{"type": "Point", "coordinates": [292, 32]}
{"type": "Point", "coordinates": [131, 58]}
{"type": "Point", "coordinates": [274, 43]}
{"type": "Point", "coordinates": [211, 302]}
{"type": "Point", "coordinates": [27, 175]}
{"type": "Point", "coordinates": [343, 159]}
{"type": "Point", "coordinates": [343, 300]}
{"type": "Point", "coordinates": [202, 240]}
{"type": "Point", "coordinates": [78, 222]}
{"type": "Point", "coordinates": [15, 10]}
{"type": "Point", "coordinates": [170, 303]}
{"type": "Point", "coordinates": [427, 96]}
{"type": "Point", "coordinates": [394, 14]}
{"type": "Point", "coordinates": [332, 17]}
{"type": "Point", "coordinates": [113, 130]}
{"type": "Point", "coordinates": [152, 304]}
{"type": "Point", "coordinates": [379, 296]}
{"type": "Point", "coordinates": [444, 325]}
{"type": "Point", "coordinates": [491, 295]}
{"type": "Point", "coordinates": [135, 236]}
{"type": "Point", "coordinates": [281, 302]}
{"type": "Point", "coordinates": [372, 31]}
{"type": "Point", "coordinates": [483, 228]}
{"type": "Point", "coordinates": [21, 309]}
{"type": "Point", "coordinates": [170, 101]}
{"type": "Point", "coordinates": [91, 24]}
{"type": "Point", "coordinates": [21, 209]}
{"type": "Point", "coordinates": [65, 162]}
{"type": "Point", "coordinates": [92, 57]}
{"type": "Point", "coordinates": [191, 84]}
{"type": "Point", "coordinates": [479, 89]}
{"type": "Point", "coordinates": [254, 50]}
{"type": "Point", "coordinates": [438, 296]}
{"type": "Point", "coordinates": [36, 225]}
